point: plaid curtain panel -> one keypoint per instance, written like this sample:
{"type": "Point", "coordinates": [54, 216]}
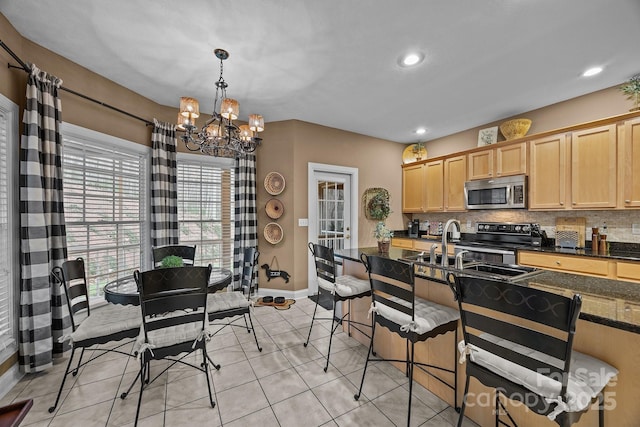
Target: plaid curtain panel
{"type": "Point", "coordinates": [164, 186]}
{"type": "Point", "coordinates": [245, 216]}
{"type": "Point", "coordinates": [43, 245]}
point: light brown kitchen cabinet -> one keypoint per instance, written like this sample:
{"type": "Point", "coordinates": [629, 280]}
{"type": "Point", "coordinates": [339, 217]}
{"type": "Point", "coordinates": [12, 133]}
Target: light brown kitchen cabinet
{"type": "Point", "coordinates": [593, 167]}
{"type": "Point", "coordinates": [549, 172]}
{"type": "Point", "coordinates": [504, 160]}
{"type": "Point", "coordinates": [481, 164]}
{"type": "Point", "coordinates": [434, 175]}
{"type": "Point", "coordinates": [455, 174]}
{"type": "Point", "coordinates": [511, 159]}
{"type": "Point", "coordinates": [566, 263]}
{"type": "Point", "coordinates": [413, 188]}
{"type": "Point", "coordinates": [399, 242]}
{"type": "Point", "coordinates": [629, 164]}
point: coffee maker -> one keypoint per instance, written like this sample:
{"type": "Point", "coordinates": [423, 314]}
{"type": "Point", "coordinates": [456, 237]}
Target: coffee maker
{"type": "Point", "coordinates": [413, 228]}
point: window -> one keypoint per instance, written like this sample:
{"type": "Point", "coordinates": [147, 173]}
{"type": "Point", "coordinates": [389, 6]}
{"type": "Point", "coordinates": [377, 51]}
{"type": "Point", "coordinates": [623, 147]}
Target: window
{"type": "Point", "coordinates": [206, 207]}
{"type": "Point", "coordinates": [105, 199]}
{"type": "Point", "coordinates": [9, 245]}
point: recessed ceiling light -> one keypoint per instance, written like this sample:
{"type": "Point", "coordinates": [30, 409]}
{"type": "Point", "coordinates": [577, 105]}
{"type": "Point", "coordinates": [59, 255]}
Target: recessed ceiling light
{"type": "Point", "coordinates": [421, 131]}
{"type": "Point", "coordinates": [411, 59]}
{"type": "Point", "coordinates": [592, 71]}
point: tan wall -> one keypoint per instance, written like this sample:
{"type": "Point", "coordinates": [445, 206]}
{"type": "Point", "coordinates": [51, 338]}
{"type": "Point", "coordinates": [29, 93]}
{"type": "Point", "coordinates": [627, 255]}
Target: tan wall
{"type": "Point", "coordinates": [597, 105]}
{"type": "Point", "coordinates": [289, 147]}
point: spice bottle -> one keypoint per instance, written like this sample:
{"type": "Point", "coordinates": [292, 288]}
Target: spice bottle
{"type": "Point", "coordinates": [603, 245]}
{"type": "Point", "coordinates": [595, 236]}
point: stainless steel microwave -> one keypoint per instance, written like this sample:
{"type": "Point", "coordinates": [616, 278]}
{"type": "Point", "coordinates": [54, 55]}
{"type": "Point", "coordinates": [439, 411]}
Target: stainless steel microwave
{"type": "Point", "coordinates": [509, 192]}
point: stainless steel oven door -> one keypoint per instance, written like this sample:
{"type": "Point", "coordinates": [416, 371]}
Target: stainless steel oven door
{"type": "Point", "coordinates": [486, 254]}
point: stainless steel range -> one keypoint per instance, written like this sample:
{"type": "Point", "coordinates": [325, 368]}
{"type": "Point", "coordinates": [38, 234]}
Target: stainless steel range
{"type": "Point", "coordinates": [497, 242]}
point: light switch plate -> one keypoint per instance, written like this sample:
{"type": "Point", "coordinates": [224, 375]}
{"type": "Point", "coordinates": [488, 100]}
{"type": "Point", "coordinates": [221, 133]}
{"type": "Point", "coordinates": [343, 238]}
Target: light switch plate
{"type": "Point", "coordinates": [303, 222]}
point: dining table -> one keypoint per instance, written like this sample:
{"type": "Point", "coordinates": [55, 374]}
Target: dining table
{"type": "Point", "coordinates": [125, 290]}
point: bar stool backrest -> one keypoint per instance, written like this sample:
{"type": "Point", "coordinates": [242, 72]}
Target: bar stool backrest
{"type": "Point", "coordinates": [73, 279]}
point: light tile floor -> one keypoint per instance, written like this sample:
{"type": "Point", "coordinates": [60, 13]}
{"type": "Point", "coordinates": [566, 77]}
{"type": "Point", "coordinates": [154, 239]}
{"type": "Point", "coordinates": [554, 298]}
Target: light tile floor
{"type": "Point", "coordinates": [284, 385]}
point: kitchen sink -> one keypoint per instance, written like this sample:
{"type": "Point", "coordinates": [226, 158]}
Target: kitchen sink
{"type": "Point", "coordinates": [500, 271]}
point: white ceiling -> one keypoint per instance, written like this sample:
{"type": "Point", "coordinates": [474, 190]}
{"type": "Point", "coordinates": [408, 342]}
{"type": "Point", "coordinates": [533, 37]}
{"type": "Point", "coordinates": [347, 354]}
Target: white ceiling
{"type": "Point", "coordinates": [335, 62]}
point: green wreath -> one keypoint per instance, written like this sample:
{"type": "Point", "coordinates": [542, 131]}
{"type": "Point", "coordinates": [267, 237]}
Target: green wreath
{"type": "Point", "coordinates": [378, 207]}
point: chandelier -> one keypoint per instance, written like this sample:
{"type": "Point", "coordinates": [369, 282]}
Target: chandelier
{"type": "Point", "coordinates": [219, 136]}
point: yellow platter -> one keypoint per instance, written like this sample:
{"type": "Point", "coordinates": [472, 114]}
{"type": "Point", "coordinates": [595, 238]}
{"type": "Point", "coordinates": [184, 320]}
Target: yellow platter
{"type": "Point", "coordinates": [412, 154]}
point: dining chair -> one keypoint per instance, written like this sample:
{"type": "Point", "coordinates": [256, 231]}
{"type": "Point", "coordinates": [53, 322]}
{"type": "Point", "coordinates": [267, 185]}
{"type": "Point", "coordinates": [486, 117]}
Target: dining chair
{"type": "Point", "coordinates": [519, 341]}
{"type": "Point", "coordinates": [227, 304]}
{"type": "Point", "coordinates": [396, 307]}
{"type": "Point", "coordinates": [187, 253]}
{"type": "Point", "coordinates": [341, 288]}
{"type": "Point", "coordinates": [174, 318]}
{"type": "Point", "coordinates": [92, 326]}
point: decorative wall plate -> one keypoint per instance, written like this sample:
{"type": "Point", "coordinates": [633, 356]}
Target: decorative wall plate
{"type": "Point", "coordinates": [274, 208]}
{"type": "Point", "coordinates": [412, 154]}
{"type": "Point", "coordinates": [273, 233]}
{"type": "Point", "coordinates": [274, 183]}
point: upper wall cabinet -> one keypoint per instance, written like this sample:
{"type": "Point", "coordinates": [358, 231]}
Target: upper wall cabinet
{"type": "Point", "coordinates": [423, 187]}
{"type": "Point", "coordinates": [593, 168]}
{"type": "Point", "coordinates": [629, 164]}
{"type": "Point", "coordinates": [549, 172]}
{"type": "Point", "coordinates": [455, 174]}
{"type": "Point", "coordinates": [434, 174]}
{"type": "Point", "coordinates": [413, 188]}
{"type": "Point", "coordinates": [504, 160]}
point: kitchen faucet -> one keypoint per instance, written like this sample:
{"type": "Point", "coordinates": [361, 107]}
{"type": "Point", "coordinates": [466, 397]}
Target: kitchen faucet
{"type": "Point", "coordinates": [445, 243]}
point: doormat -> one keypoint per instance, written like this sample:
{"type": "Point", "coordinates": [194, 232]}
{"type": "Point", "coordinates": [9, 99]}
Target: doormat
{"type": "Point", "coordinates": [282, 306]}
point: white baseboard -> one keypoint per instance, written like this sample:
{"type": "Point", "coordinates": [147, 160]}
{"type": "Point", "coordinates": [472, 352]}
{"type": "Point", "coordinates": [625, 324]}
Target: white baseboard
{"type": "Point", "coordinates": [303, 293]}
{"type": "Point", "coordinates": [9, 379]}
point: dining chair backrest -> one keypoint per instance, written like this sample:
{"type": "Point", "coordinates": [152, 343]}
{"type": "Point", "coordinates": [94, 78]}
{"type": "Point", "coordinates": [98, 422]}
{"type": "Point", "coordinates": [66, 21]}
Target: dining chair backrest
{"type": "Point", "coordinates": [72, 277]}
{"type": "Point", "coordinates": [172, 296]}
{"type": "Point", "coordinates": [187, 253]}
{"type": "Point", "coordinates": [392, 283]}
{"type": "Point", "coordinates": [324, 261]}
{"type": "Point", "coordinates": [249, 264]}
{"type": "Point", "coordinates": [529, 327]}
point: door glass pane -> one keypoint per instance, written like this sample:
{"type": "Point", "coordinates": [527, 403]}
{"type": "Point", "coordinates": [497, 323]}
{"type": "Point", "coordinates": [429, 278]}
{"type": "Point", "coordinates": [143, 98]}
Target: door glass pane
{"type": "Point", "coordinates": [331, 214]}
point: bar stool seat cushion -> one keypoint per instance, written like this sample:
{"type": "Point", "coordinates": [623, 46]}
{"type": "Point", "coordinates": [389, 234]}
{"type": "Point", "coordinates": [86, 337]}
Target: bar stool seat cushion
{"type": "Point", "coordinates": [346, 285]}
{"type": "Point", "coordinates": [587, 377]}
{"type": "Point", "coordinates": [428, 315]}
{"type": "Point", "coordinates": [223, 301]}
{"type": "Point", "coordinates": [106, 320]}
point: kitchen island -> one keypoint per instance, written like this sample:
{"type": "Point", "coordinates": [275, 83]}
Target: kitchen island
{"type": "Point", "coordinates": [598, 334]}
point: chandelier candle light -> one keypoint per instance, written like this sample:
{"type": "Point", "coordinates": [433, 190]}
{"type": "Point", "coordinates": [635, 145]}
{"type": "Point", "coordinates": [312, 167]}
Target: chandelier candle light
{"type": "Point", "coordinates": [219, 136]}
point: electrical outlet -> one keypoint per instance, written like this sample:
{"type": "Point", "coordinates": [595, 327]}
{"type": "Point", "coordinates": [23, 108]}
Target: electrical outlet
{"type": "Point", "coordinates": [303, 222]}
{"type": "Point", "coordinates": [469, 225]}
{"type": "Point", "coordinates": [635, 228]}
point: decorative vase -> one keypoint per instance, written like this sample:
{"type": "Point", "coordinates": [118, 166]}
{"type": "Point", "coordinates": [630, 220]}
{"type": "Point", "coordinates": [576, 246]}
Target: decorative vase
{"type": "Point", "coordinates": [383, 247]}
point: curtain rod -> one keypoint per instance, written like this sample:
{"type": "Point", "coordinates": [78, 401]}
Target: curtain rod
{"type": "Point", "coordinates": [23, 66]}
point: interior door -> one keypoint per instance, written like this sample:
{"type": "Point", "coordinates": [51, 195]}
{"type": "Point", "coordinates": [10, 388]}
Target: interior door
{"type": "Point", "coordinates": [331, 217]}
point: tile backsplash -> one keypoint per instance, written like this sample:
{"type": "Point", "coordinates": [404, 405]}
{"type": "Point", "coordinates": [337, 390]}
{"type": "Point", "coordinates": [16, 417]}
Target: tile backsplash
{"type": "Point", "coordinates": [619, 223]}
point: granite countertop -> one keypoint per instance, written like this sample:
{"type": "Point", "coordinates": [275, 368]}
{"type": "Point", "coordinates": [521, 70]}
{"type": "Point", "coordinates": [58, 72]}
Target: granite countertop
{"type": "Point", "coordinates": [604, 300]}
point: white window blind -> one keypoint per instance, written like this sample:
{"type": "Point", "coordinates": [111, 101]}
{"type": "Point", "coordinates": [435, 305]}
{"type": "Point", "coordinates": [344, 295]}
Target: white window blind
{"type": "Point", "coordinates": [8, 223]}
{"type": "Point", "coordinates": [105, 207]}
{"type": "Point", "coordinates": [206, 207]}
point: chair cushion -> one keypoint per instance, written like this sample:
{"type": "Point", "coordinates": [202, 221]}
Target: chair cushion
{"type": "Point", "coordinates": [221, 301]}
{"type": "Point", "coordinates": [427, 315]}
{"type": "Point", "coordinates": [170, 335]}
{"type": "Point", "coordinates": [587, 377]}
{"type": "Point", "coordinates": [107, 320]}
{"type": "Point", "coordinates": [346, 285]}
